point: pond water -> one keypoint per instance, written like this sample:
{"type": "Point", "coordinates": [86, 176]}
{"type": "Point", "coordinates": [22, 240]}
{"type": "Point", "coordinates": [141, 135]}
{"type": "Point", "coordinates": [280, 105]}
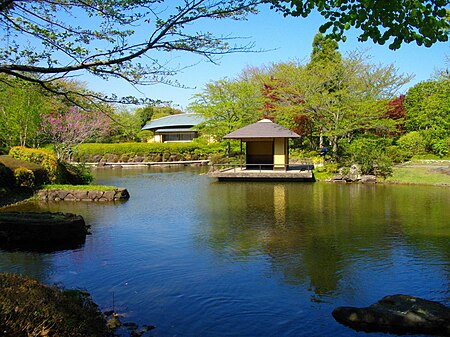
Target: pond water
{"type": "Point", "coordinates": [197, 257]}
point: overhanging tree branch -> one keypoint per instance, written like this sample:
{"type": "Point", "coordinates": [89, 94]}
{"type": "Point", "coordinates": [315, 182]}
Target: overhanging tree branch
{"type": "Point", "coordinates": [40, 41]}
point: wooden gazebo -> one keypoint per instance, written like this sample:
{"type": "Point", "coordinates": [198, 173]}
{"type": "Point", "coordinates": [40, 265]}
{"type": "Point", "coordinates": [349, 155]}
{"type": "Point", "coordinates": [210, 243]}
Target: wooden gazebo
{"type": "Point", "coordinates": [266, 144]}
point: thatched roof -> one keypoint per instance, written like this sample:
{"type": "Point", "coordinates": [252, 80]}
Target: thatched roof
{"type": "Point", "coordinates": [263, 129]}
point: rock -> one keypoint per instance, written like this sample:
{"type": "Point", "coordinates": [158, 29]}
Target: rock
{"type": "Point", "coordinates": [41, 231]}
{"type": "Point", "coordinates": [400, 314]}
{"type": "Point", "coordinates": [368, 179]}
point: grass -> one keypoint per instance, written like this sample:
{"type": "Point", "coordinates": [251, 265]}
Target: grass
{"type": "Point", "coordinates": [419, 175]}
{"type": "Point", "coordinates": [30, 308]}
{"type": "Point", "coordinates": [80, 187]}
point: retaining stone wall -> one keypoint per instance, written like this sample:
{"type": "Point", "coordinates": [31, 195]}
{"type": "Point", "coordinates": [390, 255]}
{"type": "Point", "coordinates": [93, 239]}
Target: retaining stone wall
{"type": "Point", "coordinates": [82, 195]}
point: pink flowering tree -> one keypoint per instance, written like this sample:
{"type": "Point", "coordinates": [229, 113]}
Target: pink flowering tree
{"type": "Point", "coordinates": [68, 130]}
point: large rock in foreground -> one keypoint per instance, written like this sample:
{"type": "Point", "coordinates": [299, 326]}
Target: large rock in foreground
{"type": "Point", "coordinates": [400, 314]}
{"type": "Point", "coordinates": [35, 231]}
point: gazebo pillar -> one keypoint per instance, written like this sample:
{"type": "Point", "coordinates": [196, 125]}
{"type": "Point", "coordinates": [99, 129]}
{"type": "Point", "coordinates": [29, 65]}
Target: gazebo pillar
{"type": "Point", "coordinates": [280, 155]}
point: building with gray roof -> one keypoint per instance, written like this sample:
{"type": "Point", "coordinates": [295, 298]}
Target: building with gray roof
{"type": "Point", "coordinates": [175, 128]}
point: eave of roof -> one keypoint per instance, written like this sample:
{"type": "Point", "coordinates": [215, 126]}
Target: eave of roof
{"type": "Point", "coordinates": [180, 130]}
{"type": "Point", "coordinates": [263, 129]}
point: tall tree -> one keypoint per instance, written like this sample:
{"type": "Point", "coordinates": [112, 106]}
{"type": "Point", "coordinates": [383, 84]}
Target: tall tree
{"type": "Point", "coordinates": [424, 22]}
{"type": "Point", "coordinates": [20, 109]}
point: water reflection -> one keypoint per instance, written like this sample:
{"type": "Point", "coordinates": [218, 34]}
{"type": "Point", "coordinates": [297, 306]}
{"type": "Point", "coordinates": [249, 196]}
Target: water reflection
{"type": "Point", "coordinates": [318, 235]}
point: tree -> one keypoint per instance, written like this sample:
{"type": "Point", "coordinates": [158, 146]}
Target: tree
{"type": "Point", "coordinates": [20, 109]}
{"type": "Point", "coordinates": [425, 22]}
{"type": "Point", "coordinates": [67, 130]}
{"type": "Point", "coordinates": [332, 96]}
{"type": "Point", "coordinates": [160, 111]}
{"type": "Point", "coordinates": [46, 40]}
{"type": "Point", "coordinates": [227, 105]}
{"type": "Point", "coordinates": [427, 106]}
{"type": "Point", "coordinates": [144, 114]}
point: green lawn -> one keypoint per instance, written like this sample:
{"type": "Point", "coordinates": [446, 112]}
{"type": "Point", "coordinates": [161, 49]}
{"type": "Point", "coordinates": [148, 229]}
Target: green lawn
{"type": "Point", "coordinates": [418, 174]}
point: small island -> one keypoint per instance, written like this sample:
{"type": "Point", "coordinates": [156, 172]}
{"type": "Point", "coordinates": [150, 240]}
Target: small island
{"type": "Point", "coordinates": [37, 231]}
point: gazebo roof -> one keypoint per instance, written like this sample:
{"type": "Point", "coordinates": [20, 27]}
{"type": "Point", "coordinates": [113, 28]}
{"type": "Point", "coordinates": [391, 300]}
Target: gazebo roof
{"type": "Point", "coordinates": [265, 128]}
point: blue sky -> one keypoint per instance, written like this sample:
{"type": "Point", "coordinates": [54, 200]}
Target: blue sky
{"type": "Point", "coordinates": [284, 39]}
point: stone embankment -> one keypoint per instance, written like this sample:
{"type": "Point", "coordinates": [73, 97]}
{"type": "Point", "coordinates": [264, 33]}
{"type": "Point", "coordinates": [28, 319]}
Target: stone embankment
{"type": "Point", "coordinates": [118, 194]}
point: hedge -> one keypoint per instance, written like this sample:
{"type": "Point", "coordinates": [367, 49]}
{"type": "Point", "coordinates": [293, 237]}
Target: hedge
{"type": "Point", "coordinates": [124, 152]}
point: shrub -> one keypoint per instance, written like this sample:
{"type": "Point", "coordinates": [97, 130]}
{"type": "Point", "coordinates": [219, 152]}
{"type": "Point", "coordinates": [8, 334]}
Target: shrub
{"type": "Point", "coordinates": [396, 154]}
{"type": "Point", "coordinates": [411, 144]}
{"type": "Point", "coordinates": [442, 147]}
{"type": "Point", "coordinates": [24, 177]}
{"type": "Point", "coordinates": [38, 156]}
{"type": "Point", "coordinates": [75, 174]}
{"type": "Point", "coordinates": [370, 154]}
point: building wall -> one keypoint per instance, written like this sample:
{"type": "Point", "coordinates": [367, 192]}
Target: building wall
{"type": "Point", "coordinates": [156, 139]}
{"type": "Point", "coordinates": [259, 152]}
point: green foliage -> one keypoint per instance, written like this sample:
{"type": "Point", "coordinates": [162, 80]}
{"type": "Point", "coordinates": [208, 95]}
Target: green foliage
{"type": "Point", "coordinates": [24, 177]}
{"type": "Point", "coordinates": [331, 97]}
{"type": "Point", "coordinates": [144, 114]}
{"type": "Point", "coordinates": [75, 174]}
{"type": "Point", "coordinates": [370, 154]}
{"type": "Point", "coordinates": [38, 156]}
{"type": "Point", "coordinates": [428, 108]}
{"type": "Point", "coordinates": [145, 135]}
{"type": "Point", "coordinates": [111, 38]}
{"type": "Point", "coordinates": [227, 105]}
{"type": "Point", "coordinates": [21, 104]}
{"type": "Point", "coordinates": [147, 151]}
{"type": "Point", "coordinates": [424, 22]}
{"type": "Point", "coordinates": [79, 187]}
{"type": "Point", "coordinates": [442, 147]}
{"type": "Point", "coordinates": [160, 111]}
{"type": "Point", "coordinates": [58, 172]}
{"type": "Point", "coordinates": [31, 309]}
{"type": "Point", "coordinates": [11, 164]}
{"type": "Point", "coordinates": [411, 144]}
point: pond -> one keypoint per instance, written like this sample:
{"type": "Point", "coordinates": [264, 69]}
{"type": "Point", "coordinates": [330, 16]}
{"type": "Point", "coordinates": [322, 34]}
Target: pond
{"type": "Point", "coordinates": [197, 257]}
